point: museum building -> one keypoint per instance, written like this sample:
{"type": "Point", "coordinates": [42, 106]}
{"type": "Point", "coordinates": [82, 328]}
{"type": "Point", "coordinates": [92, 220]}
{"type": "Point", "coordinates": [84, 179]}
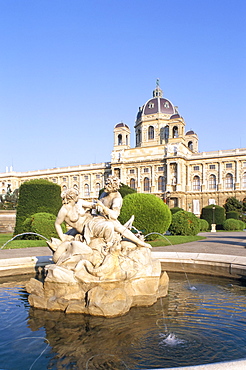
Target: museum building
{"type": "Point", "coordinates": [165, 161]}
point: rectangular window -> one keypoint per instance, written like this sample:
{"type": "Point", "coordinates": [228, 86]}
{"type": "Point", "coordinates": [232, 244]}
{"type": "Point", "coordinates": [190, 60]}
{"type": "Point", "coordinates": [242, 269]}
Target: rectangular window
{"type": "Point", "coordinates": [244, 164]}
{"type": "Point", "coordinates": [75, 178]}
{"type": "Point", "coordinates": [98, 176]}
{"type": "Point", "coordinates": [86, 177]}
{"type": "Point", "coordinates": [64, 179]}
{"type": "Point", "coordinates": [160, 169]}
{"type": "Point", "coordinates": [212, 166]}
{"type": "Point", "coordinates": [196, 168]}
{"type": "Point", "coordinates": [146, 170]}
{"type": "Point", "coordinates": [54, 180]}
{"type": "Point", "coordinates": [132, 171]}
{"type": "Point", "coordinates": [228, 165]}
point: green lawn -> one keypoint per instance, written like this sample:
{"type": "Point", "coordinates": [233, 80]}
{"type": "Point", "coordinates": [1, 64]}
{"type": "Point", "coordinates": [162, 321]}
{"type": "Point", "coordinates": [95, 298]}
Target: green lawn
{"type": "Point", "coordinates": [15, 244]}
{"type": "Point", "coordinates": [159, 242]}
{"type": "Point", "coordinates": [174, 239]}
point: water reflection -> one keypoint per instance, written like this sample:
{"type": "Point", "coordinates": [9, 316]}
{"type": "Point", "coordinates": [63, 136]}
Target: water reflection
{"type": "Point", "coordinates": [186, 327]}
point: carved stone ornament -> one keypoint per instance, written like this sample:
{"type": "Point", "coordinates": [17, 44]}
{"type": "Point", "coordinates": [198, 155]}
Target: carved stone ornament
{"type": "Point", "coordinates": [100, 267]}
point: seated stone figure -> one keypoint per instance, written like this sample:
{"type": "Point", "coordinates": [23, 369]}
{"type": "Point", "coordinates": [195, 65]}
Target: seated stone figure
{"type": "Point", "coordinates": [76, 213]}
{"type": "Point", "coordinates": [109, 205]}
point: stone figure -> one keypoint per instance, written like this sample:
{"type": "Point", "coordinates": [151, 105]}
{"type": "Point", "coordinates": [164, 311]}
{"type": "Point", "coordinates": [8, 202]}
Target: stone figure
{"type": "Point", "coordinates": [100, 267]}
{"type": "Point", "coordinates": [75, 212]}
{"type": "Point", "coordinates": [109, 205]}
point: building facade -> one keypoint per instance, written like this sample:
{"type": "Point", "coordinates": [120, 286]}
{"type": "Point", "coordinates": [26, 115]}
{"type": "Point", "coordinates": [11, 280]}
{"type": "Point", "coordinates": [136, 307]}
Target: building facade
{"type": "Point", "coordinates": [165, 161]}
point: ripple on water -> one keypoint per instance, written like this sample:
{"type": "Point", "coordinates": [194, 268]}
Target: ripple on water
{"type": "Point", "coordinates": [187, 327]}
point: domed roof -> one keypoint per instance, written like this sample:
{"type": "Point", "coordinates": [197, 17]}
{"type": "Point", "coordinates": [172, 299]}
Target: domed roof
{"type": "Point", "coordinates": [121, 124]}
{"type": "Point", "coordinates": [175, 116]}
{"type": "Point", "coordinates": [191, 132]}
{"type": "Point", "coordinates": [157, 104]}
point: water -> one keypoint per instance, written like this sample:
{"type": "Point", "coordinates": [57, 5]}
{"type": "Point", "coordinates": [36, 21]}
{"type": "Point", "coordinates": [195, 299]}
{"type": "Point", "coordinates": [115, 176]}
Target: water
{"type": "Point", "coordinates": [188, 327]}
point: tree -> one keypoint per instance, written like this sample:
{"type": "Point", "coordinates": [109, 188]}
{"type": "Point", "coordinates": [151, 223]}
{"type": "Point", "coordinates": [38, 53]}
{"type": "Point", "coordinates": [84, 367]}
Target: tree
{"type": "Point", "coordinates": [233, 204]}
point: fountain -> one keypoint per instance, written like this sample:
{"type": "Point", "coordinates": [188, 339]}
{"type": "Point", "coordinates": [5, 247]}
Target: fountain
{"type": "Point", "coordinates": [100, 267]}
{"type": "Point", "coordinates": [200, 321]}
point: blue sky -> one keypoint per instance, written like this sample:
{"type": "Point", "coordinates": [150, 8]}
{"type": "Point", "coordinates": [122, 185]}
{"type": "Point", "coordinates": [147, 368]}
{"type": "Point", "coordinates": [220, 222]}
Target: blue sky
{"type": "Point", "coordinates": [70, 70]}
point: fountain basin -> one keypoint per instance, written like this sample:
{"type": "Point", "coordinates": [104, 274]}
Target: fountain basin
{"type": "Point", "coordinates": [202, 263]}
{"type": "Point", "coordinates": [189, 325]}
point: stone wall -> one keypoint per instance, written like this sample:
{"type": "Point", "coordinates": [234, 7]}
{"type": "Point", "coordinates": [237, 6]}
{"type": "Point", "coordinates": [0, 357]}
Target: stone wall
{"type": "Point", "coordinates": [7, 221]}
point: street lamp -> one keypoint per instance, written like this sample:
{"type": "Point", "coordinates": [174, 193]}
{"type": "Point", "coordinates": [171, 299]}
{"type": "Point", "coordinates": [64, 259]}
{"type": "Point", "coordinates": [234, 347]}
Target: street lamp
{"type": "Point", "coordinates": [213, 229]}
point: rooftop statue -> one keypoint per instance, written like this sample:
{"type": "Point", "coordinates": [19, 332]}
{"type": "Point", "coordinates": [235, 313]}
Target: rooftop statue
{"type": "Point", "coordinates": [100, 267]}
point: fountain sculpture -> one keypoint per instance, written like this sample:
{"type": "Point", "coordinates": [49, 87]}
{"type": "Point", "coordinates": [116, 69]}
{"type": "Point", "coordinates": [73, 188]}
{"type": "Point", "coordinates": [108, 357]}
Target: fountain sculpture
{"type": "Point", "coordinates": [100, 267]}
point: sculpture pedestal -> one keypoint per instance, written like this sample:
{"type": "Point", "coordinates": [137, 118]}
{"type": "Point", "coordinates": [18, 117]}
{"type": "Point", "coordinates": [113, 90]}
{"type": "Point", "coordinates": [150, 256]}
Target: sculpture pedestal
{"type": "Point", "coordinates": [213, 228]}
{"type": "Point", "coordinates": [125, 278]}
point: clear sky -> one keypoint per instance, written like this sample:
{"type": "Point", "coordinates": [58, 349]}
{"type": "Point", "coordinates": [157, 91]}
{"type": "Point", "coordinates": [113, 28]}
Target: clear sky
{"type": "Point", "coordinates": [70, 70]}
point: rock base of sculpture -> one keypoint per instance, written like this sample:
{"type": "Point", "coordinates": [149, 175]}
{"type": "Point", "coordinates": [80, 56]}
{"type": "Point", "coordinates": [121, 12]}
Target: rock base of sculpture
{"type": "Point", "coordinates": [98, 282]}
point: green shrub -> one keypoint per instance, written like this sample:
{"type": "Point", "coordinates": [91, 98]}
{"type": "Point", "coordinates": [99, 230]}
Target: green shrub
{"type": "Point", "coordinates": [175, 209]}
{"type": "Point", "coordinates": [216, 216]}
{"type": "Point", "coordinates": [232, 224]}
{"type": "Point", "coordinates": [232, 214]}
{"type": "Point", "coordinates": [151, 213]}
{"type": "Point", "coordinates": [203, 224]}
{"type": "Point", "coordinates": [42, 223]}
{"type": "Point", "coordinates": [184, 223]}
{"type": "Point", "coordinates": [37, 196]}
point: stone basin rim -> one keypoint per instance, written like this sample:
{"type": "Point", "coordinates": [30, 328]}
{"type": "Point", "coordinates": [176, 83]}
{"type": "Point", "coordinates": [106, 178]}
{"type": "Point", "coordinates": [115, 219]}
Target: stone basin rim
{"type": "Point", "coordinates": [26, 265]}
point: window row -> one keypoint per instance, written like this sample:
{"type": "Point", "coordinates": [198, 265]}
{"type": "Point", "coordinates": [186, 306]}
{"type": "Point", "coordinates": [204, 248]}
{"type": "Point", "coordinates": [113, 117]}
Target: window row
{"type": "Point", "coordinates": [86, 189]}
{"type": "Point", "coordinates": [212, 182]}
{"type": "Point", "coordinates": [164, 133]}
{"type": "Point", "coordinates": [147, 184]}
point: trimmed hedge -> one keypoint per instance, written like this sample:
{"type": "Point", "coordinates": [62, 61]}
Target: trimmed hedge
{"type": "Point", "coordinates": [203, 224]}
{"type": "Point", "coordinates": [42, 223]}
{"type": "Point", "coordinates": [232, 224]}
{"type": "Point", "coordinates": [184, 223]}
{"type": "Point", "coordinates": [151, 213]}
{"type": "Point", "coordinates": [175, 209]}
{"type": "Point", "coordinates": [232, 214]}
{"type": "Point", "coordinates": [37, 196]}
{"type": "Point", "coordinates": [218, 214]}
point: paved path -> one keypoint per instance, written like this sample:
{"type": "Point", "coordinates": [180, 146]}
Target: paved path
{"type": "Point", "coordinates": [226, 243]}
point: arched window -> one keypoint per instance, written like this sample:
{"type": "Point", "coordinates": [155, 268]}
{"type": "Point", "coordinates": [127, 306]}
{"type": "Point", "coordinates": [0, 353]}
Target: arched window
{"type": "Point", "coordinates": [151, 133]}
{"type": "Point", "coordinates": [229, 181]}
{"type": "Point", "coordinates": [138, 137]}
{"type": "Point", "coordinates": [175, 131]}
{"type": "Point", "coordinates": [97, 188]}
{"type": "Point", "coordinates": [133, 184]}
{"type": "Point", "coordinates": [119, 139]}
{"type": "Point", "coordinates": [146, 184]}
{"type": "Point", "coordinates": [161, 183]}
{"type": "Point", "coordinates": [244, 180]}
{"type": "Point", "coordinates": [75, 186]}
{"type": "Point", "coordinates": [166, 133]}
{"type": "Point", "coordinates": [212, 182]}
{"type": "Point", "coordinates": [64, 187]}
{"type": "Point", "coordinates": [190, 145]}
{"type": "Point", "coordinates": [86, 190]}
{"type": "Point", "coordinates": [196, 183]}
